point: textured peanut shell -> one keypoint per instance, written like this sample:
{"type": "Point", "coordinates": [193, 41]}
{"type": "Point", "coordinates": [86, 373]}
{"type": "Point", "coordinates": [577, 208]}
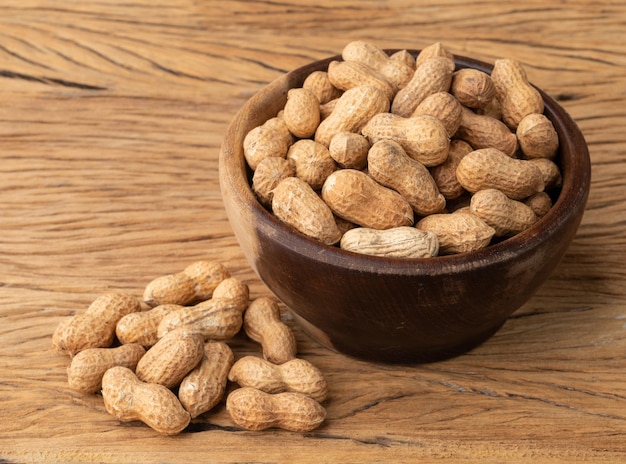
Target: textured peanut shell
{"type": "Point", "coordinates": [268, 175]}
{"type": "Point", "coordinates": [346, 75]}
{"type": "Point", "coordinates": [351, 112]}
{"type": "Point", "coordinates": [444, 107]}
{"type": "Point", "coordinates": [262, 323]}
{"type": "Point", "coordinates": [171, 358]}
{"type": "Point", "coordinates": [458, 232]}
{"type": "Point", "coordinates": [296, 375]}
{"type": "Point", "coordinates": [206, 276]}
{"type": "Point", "coordinates": [349, 150]}
{"type": "Point", "coordinates": [95, 328]}
{"type": "Point", "coordinates": [517, 96]}
{"type": "Point", "coordinates": [312, 161]}
{"type": "Point", "coordinates": [399, 242]}
{"type": "Point", "coordinates": [550, 172]}
{"type": "Point", "coordinates": [302, 112]}
{"type": "Point", "coordinates": [436, 49]}
{"type": "Point", "coordinates": [85, 372]}
{"type": "Point", "coordinates": [141, 327]}
{"type": "Point", "coordinates": [432, 76]}
{"type": "Point", "coordinates": [405, 57]}
{"type": "Point", "coordinates": [424, 138]}
{"type": "Point", "coordinates": [537, 136]}
{"type": "Point", "coordinates": [490, 168]}
{"type": "Point", "coordinates": [272, 138]}
{"type": "Point", "coordinates": [170, 289]}
{"type": "Point", "coordinates": [234, 290]}
{"type": "Point", "coordinates": [472, 87]}
{"type": "Point", "coordinates": [319, 84]}
{"type": "Point", "coordinates": [390, 166]}
{"type": "Point", "coordinates": [508, 217]}
{"type": "Point", "coordinates": [540, 203]}
{"type": "Point", "coordinates": [296, 203]}
{"type": "Point", "coordinates": [482, 131]}
{"type": "Point", "coordinates": [128, 399]}
{"type": "Point", "coordinates": [444, 174]}
{"type": "Point", "coordinates": [253, 409]}
{"type": "Point", "coordinates": [357, 198]}
{"type": "Point", "coordinates": [203, 388]}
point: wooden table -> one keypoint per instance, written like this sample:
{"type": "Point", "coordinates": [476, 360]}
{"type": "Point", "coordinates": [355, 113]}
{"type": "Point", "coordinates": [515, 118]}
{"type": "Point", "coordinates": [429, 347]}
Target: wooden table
{"type": "Point", "coordinates": [111, 118]}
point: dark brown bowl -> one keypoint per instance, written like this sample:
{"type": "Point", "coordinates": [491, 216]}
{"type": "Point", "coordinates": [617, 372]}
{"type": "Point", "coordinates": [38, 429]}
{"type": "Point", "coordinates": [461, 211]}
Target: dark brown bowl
{"type": "Point", "coordinates": [398, 310]}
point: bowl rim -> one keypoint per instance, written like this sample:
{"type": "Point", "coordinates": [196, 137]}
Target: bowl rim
{"type": "Point", "coordinates": [576, 179]}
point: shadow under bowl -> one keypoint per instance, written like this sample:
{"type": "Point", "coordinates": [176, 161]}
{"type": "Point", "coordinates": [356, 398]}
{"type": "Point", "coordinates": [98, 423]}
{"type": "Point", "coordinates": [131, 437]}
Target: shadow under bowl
{"type": "Point", "coordinates": [398, 310]}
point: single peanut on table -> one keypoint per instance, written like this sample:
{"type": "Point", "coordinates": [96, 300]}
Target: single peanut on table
{"type": "Point", "coordinates": [95, 328]}
{"type": "Point", "coordinates": [262, 323]}
{"type": "Point", "coordinates": [296, 375]}
{"type": "Point", "coordinates": [253, 409]}
{"type": "Point", "coordinates": [129, 399]}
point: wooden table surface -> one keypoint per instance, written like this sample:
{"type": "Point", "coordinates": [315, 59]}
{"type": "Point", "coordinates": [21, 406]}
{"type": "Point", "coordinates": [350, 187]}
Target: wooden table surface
{"type": "Point", "coordinates": [111, 118]}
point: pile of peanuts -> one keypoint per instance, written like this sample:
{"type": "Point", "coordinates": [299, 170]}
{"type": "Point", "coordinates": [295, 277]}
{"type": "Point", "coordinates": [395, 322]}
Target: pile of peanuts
{"type": "Point", "coordinates": [403, 156]}
{"type": "Point", "coordinates": [165, 360]}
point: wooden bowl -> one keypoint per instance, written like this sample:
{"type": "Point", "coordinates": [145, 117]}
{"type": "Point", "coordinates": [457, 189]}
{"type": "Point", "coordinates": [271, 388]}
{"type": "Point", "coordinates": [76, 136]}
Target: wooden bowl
{"type": "Point", "coordinates": [398, 310]}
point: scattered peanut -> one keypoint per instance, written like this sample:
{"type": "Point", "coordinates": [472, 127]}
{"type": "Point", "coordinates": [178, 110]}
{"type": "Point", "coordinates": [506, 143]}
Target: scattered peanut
{"type": "Point", "coordinates": [262, 324]}
{"type": "Point", "coordinates": [141, 327]}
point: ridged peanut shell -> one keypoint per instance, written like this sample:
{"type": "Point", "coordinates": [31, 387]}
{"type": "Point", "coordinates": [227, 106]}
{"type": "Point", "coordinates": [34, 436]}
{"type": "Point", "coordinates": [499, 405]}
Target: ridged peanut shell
{"type": "Point", "coordinates": [472, 87]}
{"type": "Point", "coordinates": [537, 136]}
{"type": "Point", "coordinates": [268, 175]}
{"type": "Point", "coordinates": [312, 161]}
{"type": "Point", "coordinates": [508, 217]}
{"type": "Point", "coordinates": [399, 242]}
{"type": "Point", "coordinates": [444, 174]}
{"type": "Point", "coordinates": [263, 324]}
{"type": "Point", "coordinates": [346, 75]}
{"type": "Point", "coordinates": [436, 49]}
{"type": "Point", "coordinates": [482, 131]}
{"type": "Point", "coordinates": [141, 327]}
{"type": "Point", "coordinates": [302, 112]}
{"type": "Point", "coordinates": [458, 232]}
{"type": "Point", "coordinates": [272, 138]}
{"type": "Point", "coordinates": [444, 107]}
{"type": "Point", "coordinates": [349, 150]}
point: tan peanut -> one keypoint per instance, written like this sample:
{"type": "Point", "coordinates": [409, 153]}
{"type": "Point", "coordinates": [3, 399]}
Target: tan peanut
{"type": "Point", "coordinates": [195, 283]}
{"type": "Point", "coordinates": [215, 319]}
{"type": "Point", "coordinates": [399, 242]}
{"type": "Point", "coordinates": [397, 72]}
{"type": "Point", "coordinates": [129, 399]}
{"type": "Point", "coordinates": [351, 112]}
{"type": "Point", "coordinates": [444, 174]}
{"type": "Point", "coordinates": [141, 327]}
{"type": "Point", "coordinates": [486, 132]}
{"type": "Point", "coordinates": [296, 204]}
{"type": "Point", "coordinates": [349, 150]}
{"type": "Point", "coordinates": [95, 328]}
{"type": "Point", "coordinates": [433, 50]}
{"type": "Point", "coordinates": [550, 172]}
{"type": "Point", "coordinates": [235, 290]}
{"type": "Point", "coordinates": [327, 108]}
{"type": "Point", "coordinates": [85, 372]}
{"type": "Point", "coordinates": [253, 409]}
{"type": "Point", "coordinates": [262, 323]}
{"type": "Point", "coordinates": [472, 87]}
{"type": "Point", "coordinates": [431, 76]}
{"type": "Point", "coordinates": [540, 203]}
{"type": "Point", "coordinates": [517, 96]}
{"type": "Point", "coordinates": [171, 358]}
{"type": "Point", "coordinates": [405, 57]}
{"type": "Point", "coordinates": [356, 197]}
{"type": "Point", "coordinates": [537, 136]}
{"type": "Point", "coordinates": [203, 388]}
{"type": "Point", "coordinates": [389, 165]}
{"type": "Point", "coordinates": [490, 168]}
{"type": "Point", "coordinates": [424, 138]}
{"type": "Point", "coordinates": [268, 175]}
{"type": "Point", "coordinates": [296, 375]}
{"type": "Point", "coordinates": [444, 107]}
{"type": "Point", "coordinates": [319, 84]}
{"type": "Point", "coordinates": [312, 162]}
{"type": "Point", "coordinates": [492, 109]}
{"type": "Point", "coordinates": [458, 232]}
{"type": "Point", "coordinates": [301, 112]}
{"type": "Point", "coordinates": [346, 75]}
{"type": "Point", "coordinates": [272, 138]}
{"type": "Point", "coordinates": [508, 217]}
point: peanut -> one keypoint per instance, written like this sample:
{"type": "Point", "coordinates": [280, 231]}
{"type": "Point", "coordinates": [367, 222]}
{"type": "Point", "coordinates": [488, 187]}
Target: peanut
{"type": "Point", "coordinates": [235, 290]}
{"type": "Point", "coordinates": [405, 57]}
{"type": "Point", "coordinates": [444, 107]}
{"type": "Point", "coordinates": [508, 217]}
{"type": "Point", "coordinates": [203, 388]}
{"type": "Point", "coordinates": [472, 87]}
{"type": "Point", "coordinates": [312, 162]}
{"type": "Point", "coordinates": [431, 76]}
{"type": "Point", "coordinates": [170, 359]}
{"type": "Point", "coordinates": [517, 96]}
{"type": "Point", "coordinates": [490, 168]}
{"type": "Point", "coordinates": [262, 324]}
{"type": "Point", "coordinates": [319, 84]}
{"type": "Point", "coordinates": [141, 327]}
{"type": "Point", "coordinates": [390, 166]}
{"type": "Point", "coordinates": [537, 136]}
{"type": "Point", "coordinates": [550, 172]}
{"type": "Point", "coordinates": [399, 242]}
{"type": "Point", "coordinates": [458, 232]}
{"type": "Point", "coordinates": [296, 204]}
{"type": "Point", "coordinates": [301, 112]}
{"type": "Point", "coordinates": [349, 150]}
{"type": "Point", "coordinates": [444, 174]}
{"type": "Point", "coordinates": [486, 132]}
{"type": "Point", "coordinates": [433, 50]}
{"type": "Point", "coordinates": [272, 138]}
{"type": "Point", "coordinates": [346, 75]}
{"type": "Point", "coordinates": [351, 112]}
{"type": "Point", "coordinates": [253, 409]}
{"type": "Point", "coordinates": [95, 328]}
{"type": "Point", "coordinates": [356, 197]}
{"type": "Point", "coordinates": [85, 372]}
{"type": "Point", "coordinates": [540, 203]}
{"type": "Point", "coordinates": [424, 138]}
{"type": "Point", "coordinates": [268, 175]}
{"type": "Point", "coordinates": [129, 399]}
{"type": "Point", "coordinates": [215, 319]}
{"type": "Point", "coordinates": [195, 283]}
{"type": "Point", "coordinates": [296, 375]}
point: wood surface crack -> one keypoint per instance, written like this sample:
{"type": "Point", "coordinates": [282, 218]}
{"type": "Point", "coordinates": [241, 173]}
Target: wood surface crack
{"type": "Point", "coordinates": [49, 80]}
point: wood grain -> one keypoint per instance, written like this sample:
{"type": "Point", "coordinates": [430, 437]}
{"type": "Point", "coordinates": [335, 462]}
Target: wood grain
{"type": "Point", "coordinates": [111, 118]}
